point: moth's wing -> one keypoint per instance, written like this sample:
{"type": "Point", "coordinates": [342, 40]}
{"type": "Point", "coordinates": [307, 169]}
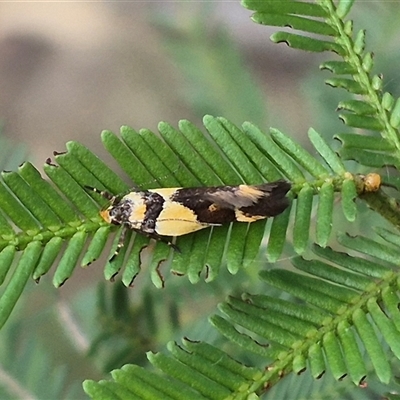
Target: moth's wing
{"type": "Point", "coordinates": [272, 203]}
{"type": "Point", "coordinates": [229, 197]}
{"type": "Point", "coordinates": [219, 204]}
{"type": "Point", "coordinates": [177, 219]}
{"type": "Point", "coordinates": [202, 202]}
{"type": "Point", "coordinates": [237, 197]}
{"type": "Point", "coordinates": [234, 197]}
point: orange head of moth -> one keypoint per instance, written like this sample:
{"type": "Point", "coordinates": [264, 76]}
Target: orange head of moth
{"type": "Point", "coordinates": [105, 214]}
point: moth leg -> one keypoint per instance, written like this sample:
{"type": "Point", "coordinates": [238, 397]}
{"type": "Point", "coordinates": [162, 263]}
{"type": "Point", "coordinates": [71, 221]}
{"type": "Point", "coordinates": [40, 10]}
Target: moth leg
{"type": "Point", "coordinates": [155, 236]}
{"type": "Point", "coordinates": [120, 245]}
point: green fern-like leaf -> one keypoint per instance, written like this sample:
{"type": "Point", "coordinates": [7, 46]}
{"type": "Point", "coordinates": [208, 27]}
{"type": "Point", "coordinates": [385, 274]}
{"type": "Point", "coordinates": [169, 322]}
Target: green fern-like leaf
{"type": "Point", "coordinates": [46, 218]}
{"type": "Point", "coordinates": [376, 111]}
{"type": "Point", "coordinates": [339, 312]}
{"type": "Point", "coordinates": [348, 305]}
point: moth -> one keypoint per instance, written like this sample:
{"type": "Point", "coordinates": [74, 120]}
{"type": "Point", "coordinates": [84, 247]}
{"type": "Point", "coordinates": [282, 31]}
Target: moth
{"type": "Point", "coordinates": [158, 213]}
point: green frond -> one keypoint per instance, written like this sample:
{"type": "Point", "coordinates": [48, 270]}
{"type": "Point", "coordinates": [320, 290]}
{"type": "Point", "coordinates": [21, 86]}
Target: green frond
{"type": "Point", "coordinates": [64, 223]}
{"type": "Point", "coordinates": [195, 370]}
{"type": "Point", "coordinates": [342, 308]}
{"type": "Point", "coordinates": [346, 302]}
{"type": "Point", "coordinates": [371, 151]}
{"type": "Point", "coordinates": [331, 312]}
{"type": "Point", "coordinates": [373, 109]}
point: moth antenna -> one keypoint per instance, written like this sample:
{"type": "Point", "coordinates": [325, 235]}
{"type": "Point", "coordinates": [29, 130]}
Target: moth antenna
{"type": "Point", "coordinates": [102, 193]}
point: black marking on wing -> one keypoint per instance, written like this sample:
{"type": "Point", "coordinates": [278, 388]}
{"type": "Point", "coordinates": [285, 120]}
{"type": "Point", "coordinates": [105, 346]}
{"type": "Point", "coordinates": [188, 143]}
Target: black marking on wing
{"type": "Point", "coordinates": [273, 203]}
{"type": "Point", "coordinates": [218, 204]}
{"type": "Point", "coordinates": [154, 205]}
{"type": "Point", "coordinates": [207, 211]}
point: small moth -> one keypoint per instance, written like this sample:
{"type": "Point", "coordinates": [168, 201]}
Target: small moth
{"type": "Point", "coordinates": [157, 213]}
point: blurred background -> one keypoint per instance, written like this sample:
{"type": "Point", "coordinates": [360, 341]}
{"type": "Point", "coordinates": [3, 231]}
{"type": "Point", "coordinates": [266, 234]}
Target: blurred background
{"type": "Point", "coordinates": [68, 70]}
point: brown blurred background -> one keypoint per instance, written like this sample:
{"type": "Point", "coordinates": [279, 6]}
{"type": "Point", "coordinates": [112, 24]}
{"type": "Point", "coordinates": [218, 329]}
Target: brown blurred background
{"type": "Point", "coordinates": [71, 69]}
